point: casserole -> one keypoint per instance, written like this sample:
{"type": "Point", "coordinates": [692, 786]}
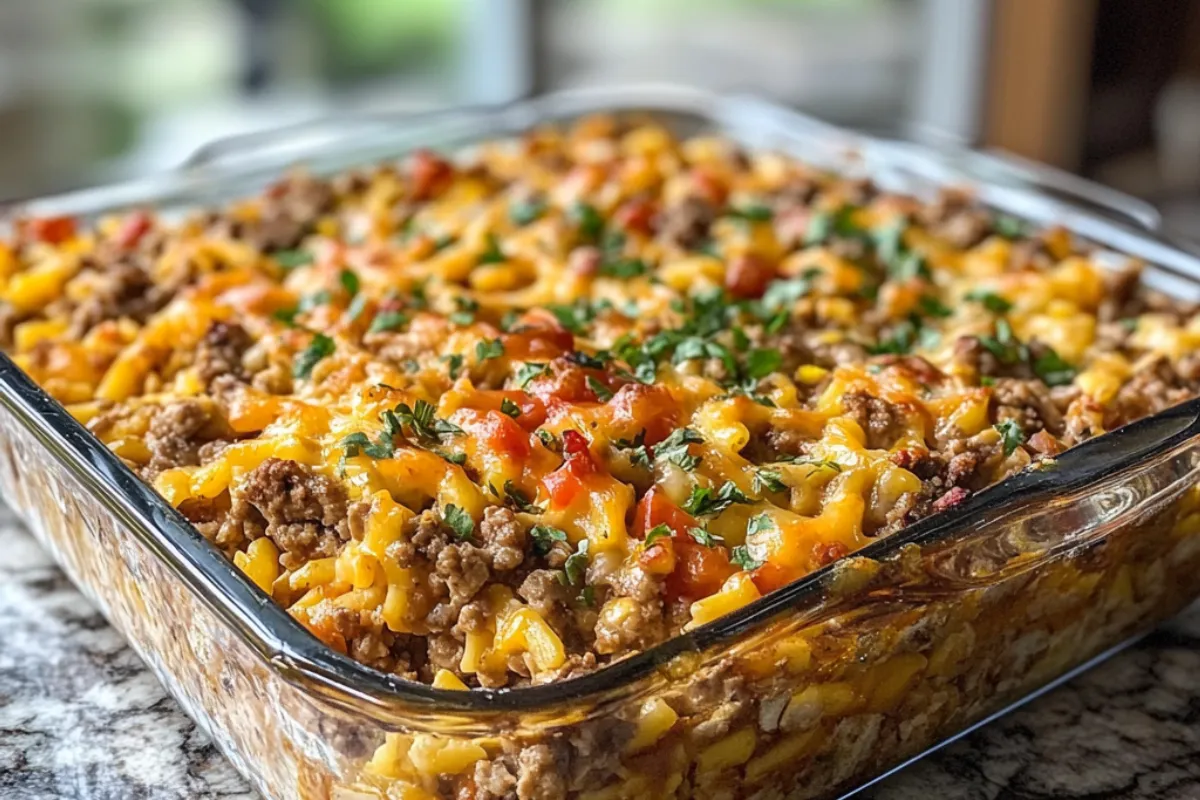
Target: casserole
{"type": "Point", "coordinates": [808, 691]}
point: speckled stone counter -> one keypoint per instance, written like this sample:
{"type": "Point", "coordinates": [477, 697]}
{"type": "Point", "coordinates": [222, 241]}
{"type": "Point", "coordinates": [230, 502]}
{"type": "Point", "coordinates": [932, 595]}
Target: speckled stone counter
{"type": "Point", "coordinates": [80, 717]}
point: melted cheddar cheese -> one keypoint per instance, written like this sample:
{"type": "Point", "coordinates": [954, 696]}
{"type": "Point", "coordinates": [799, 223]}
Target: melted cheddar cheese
{"type": "Point", "coordinates": [505, 418]}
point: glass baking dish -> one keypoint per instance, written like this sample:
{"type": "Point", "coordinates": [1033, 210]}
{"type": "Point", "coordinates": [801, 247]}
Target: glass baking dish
{"type": "Point", "coordinates": [814, 690]}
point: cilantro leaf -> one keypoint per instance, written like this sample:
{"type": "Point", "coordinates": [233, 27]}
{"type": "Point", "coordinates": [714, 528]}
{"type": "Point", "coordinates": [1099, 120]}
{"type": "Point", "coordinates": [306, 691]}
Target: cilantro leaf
{"type": "Point", "coordinates": [704, 536]}
{"type": "Point", "coordinates": [704, 502]}
{"type": "Point", "coordinates": [588, 220]}
{"type": "Point", "coordinates": [575, 567]}
{"type": "Point", "coordinates": [760, 523]}
{"type": "Point", "coordinates": [990, 300]}
{"type": "Point", "coordinates": [526, 212]}
{"type": "Point", "coordinates": [1053, 370]}
{"type": "Point", "coordinates": [768, 480]}
{"type": "Point", "coordinates": [320, 347]}
{"type": "Point", "coordinates": [349, 281]}
{"type": "Point", "coordinates": [492, 254]}
{"type": "Point", "coordinates": [510, 408]}
{"type": "Point", "coordinates": [291, 259]}
{"type": "Point", "coordinates": [493, 348]}
{"type": "Point", "coordinates": [659, 531]}
{"type": "Point", "coordinates": [519, 499]}
{"type": "Point", "coordinates": [454, 363]}
{"type": "Point", "coordinates": [740, 556]}
{"type": "Point", "coordinates": [459, 521]}
{"type": "Point", "coordinates": [544, 537]}
{"type": "Point", "coordinates": [387, 321]}
{"type": "Point", "coordinates": [602, 392]}
{"type": "Point", "coordinates": [1010, 434]}
{"type": "Point", "coordinates": [761, 363]}
{"type": "Point", "coordinates": [528, 372]}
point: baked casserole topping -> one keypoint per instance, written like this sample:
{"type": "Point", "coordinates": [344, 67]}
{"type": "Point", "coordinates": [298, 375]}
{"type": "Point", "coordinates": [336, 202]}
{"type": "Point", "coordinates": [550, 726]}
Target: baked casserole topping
{"type": "Point", "coordinates": [503, 419]}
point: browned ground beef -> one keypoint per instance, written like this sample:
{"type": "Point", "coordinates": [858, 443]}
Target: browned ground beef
{"type": "Point", "coordinates": [305, 513]}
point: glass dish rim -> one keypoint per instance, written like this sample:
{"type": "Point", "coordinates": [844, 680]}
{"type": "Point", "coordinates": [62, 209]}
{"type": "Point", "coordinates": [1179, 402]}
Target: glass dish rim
{"type": "Point", "coordinates": [297, 656]}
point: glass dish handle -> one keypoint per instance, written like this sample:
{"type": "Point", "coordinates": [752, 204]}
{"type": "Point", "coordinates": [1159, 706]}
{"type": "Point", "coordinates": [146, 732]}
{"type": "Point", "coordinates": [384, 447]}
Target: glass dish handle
{"type": "Point", "coordinates": [271, 146]}
{"type": "Point", "coordinates": [1069, 186]}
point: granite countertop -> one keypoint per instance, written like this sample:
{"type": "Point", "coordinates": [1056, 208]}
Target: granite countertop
{"type": "Point", "coordinates": [80, 717]}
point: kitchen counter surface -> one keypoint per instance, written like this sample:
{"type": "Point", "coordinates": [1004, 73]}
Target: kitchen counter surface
{"type": "Point", "coordinates": [81, 718]}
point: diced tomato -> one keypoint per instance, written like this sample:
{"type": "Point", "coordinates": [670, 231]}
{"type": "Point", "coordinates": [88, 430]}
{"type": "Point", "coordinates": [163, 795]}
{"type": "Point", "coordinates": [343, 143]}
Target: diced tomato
{"type": "Point", "coordinates": [828, 553]}
{"type": "Point", "coordinates": [709, 186]}
{"type": "Point", "coordinates": [635, 215]}
{"type": "Point", "coordinates": [135, 226]}
{"type": "Point", "coordinates": [430, 173]}
{"type": "Point", "coordinates": [503, 436]}
{"type": "Point", "coordinates": [533, 410]}
{"type": "Point", "coordinates": [748, 276]}
{"type": "Point", "coordinates": [51, 230]}
{"type": "Point", "coordinates": [655, 509]}
{"type": "Point", "coordinates": [563, 382]}
{"type": "Point", "coordinates": [540, 343]}
{"type": "Point", "coordinates": [770, 577]}
{"type": "Point", "coordinates": [699, 570]}
{"type": "Point", "coordinates": [637, 407]}
{"type": "Point", "coordinates": [568, 481]}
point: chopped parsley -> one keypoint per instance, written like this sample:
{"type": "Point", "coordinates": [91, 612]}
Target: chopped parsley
{"type": "Point", "coordinates": [454, 364]}
{"type": "Point", "coordinates": [356, 307]}
{"type": "Point", "coordinates": [291, 259]}
{"type": "Point", "coordinates": [465, 314]}
{"type": "Point", "coordinates": [760, 523]}
{"type": "Point", "coordinates": [314, 300]}
{"type": "Point", "coordinates": [820, 463]}
{"type": "Point", "coordinates": [575, 317]}
{"type": "Point", "coordinates": [527, 372]}
{"type": "Point", "coordinates": [584, 360]}
{"type": "Point", "coordinates": [1008, 227]}
{"type": "Point", "coordinates": [704, 536]}
{"type": "Point", "coordinates": [1052, 369]}
{"type": "Point", "coordinates": [766, 480]}
{"type": "Point", "coordinates": [421, 419]}
{"type": "Point", "coordinates": [761, 363]}
{"type": "Point", "coordinates": [624, 268]}
{"type": "Point", "coordinates": [740, 556]}
{"type": "Point", "coordinates": [1004, 345]}
{"type": "Point", "coordinates": [753, 212]}
{"type": "Point", "coordinates": [526, 212]}
{"type": "Point", "coordinates": [659, 531]}
{"type": "Point", "coordinates": [990, 300]}
{"type": "Point", "coordinates": [349, 282]}
{"type": "Point", "coordinates": [544, 537]}
{"type": "Point", "coordinates": [519, 499]}
{"type": "Point", "coordinates": [602, 392]}
{"type": "Point", "coordinates": [674, 449]}
{"type": "Point", "coordinates": [575, 567]}
{"type": "Point", "coordinates": [459, 521]}
{"type": "Point", "coordinates": [704, 502]}
{"type": "Point", "coordinates": [320, 347]}
{"type": "Point", "coordinates": [387, 321]}
{"type": "Point", "coordinates": [1011, 435]}
{"type": "Point", "coordinates": [930, 306]}
{"type": "Point", "coordinates": [588, 220]}
{"type": "Point", "coordinates": [783, 294]}
{"type": "Point", "coordinates": [492, 254]}
{"type": "Point", "coordinates": [357, 443]}
{"type": "Point", "coordinates": [286, 315]}
{"type": "Point", "coordinates": [492, 348]}
{"type": "Point", "coordinates": [510, 408]}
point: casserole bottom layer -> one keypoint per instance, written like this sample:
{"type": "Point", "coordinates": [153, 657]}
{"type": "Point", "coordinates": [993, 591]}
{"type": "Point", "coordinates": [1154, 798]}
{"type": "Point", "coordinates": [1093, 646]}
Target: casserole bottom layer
{"type": "Point", "coordinates": [908, 653]}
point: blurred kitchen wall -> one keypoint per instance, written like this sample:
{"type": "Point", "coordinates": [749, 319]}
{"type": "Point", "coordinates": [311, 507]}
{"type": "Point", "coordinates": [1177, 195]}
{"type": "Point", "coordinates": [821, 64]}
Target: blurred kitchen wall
{"type": "Point", "coordinates": [92, 90]}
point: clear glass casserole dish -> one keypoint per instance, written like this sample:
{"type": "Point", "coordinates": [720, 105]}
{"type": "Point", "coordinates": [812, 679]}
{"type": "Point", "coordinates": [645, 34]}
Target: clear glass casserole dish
{"type": "Point", "coordinates": [813, 690]}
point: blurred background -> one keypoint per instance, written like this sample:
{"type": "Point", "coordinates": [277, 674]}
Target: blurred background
{"type": "Point", "coordinates": [93, 90]}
